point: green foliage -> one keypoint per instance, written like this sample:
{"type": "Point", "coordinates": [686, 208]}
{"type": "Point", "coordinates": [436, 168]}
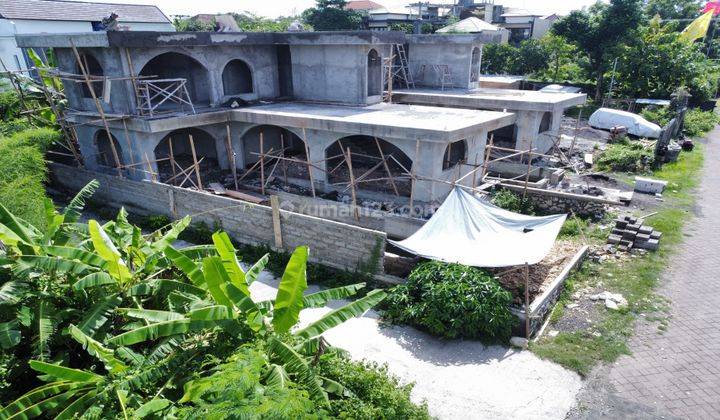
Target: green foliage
{"type": "Point", "coordinates": [12, 126]}
{"type": "Point", "coordinates": [658, 115]}
{"type": "Point", "coordinates": [511, 201]}
{"type": "Point", "coordinates": [408, 28]}
{"type": "Point", "coordinates": [374, 394]}
{"type": "Point", "coordinates": [22, 174]}
{"type": "Point", "coordinates": [698, 122]}
{"type": "Point", "coordinates": [331, 15]}
{"type": "Point", "coordinates": [655, 63]}
{"type": "Point", "coordinates": [674, 9]}
{"type": "Point", "coordinates": [626, 156]}
{"type": "Point", "coordinates": [9, 105]}
{"type": "Point", "coordinates": [193, 25]}
{"type": "Point", "coordinates": [529, 57]}
{"type": "Point", "coordinates": [452, 300]}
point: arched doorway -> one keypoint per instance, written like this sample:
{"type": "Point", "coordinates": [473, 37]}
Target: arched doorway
{"type": "Point", "coordinates": [93, 68]}
{"type": "Point", "coordinates": [174, 155]}
{"type": "Point", "coordinates": [237, 78]}
{"type": "Point", "coordinates": [475, 65]}
{"type": "Point", "coordinates": [455, 152]}
{"type": "Point", "coordinates": [374, 73]}
{"type": "Point", "coordinates": [173, 65]}
{"type": "Point", "coordinates": [277, 141]}
{"type": "Point", "coordinates": [105, 155]}
{"type": "Point", "coordinates": [369, 167]}
{"type": "Point", "coordinates": [546, 122]}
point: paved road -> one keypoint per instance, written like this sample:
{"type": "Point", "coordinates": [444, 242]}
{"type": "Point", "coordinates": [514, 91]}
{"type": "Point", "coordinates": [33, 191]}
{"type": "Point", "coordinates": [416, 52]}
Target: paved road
{"type": "Point", "coordinates": [675, 374]}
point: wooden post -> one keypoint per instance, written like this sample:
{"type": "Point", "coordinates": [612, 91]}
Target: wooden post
{"type": "Point", "coordinates": [412, 177]}
{"type": "Point", "coordinates": [262, 163]}
{"type": "Point", "coordinates": [99, 107]}
{"type": "Point", "coordinates": [348, 159]}
{"type": "Point", "coordinates": [309, 166]}
{"type": "Point", "coordinates": [284, 164]}
{"type": "Point", "coordinates": [195, 162]}
{"type": "Point", "coordinates": [527, 175]}
{"type": "Point", "coordinates": [18, 90]}
{"type": "Point", "coordinates": [152, 173]}
{"type": "Point", "coordinates": [231, 156]}
{"type": "Point", "coordinates": [577, 128]}
{"type": "Point", "coordinates": [390, 74]}
{"type": "Point", "coordinates": [387, 167]}
{"type": "Point", "coordinates": [172, 156]}
{"type": "Point", "coordinates": [527, 301]}
{"type": "Point", "coordinates": [275, 205]}
{"type": "Point", "coordinates": [488, 149]}
{"type": "Point", "coordinates": [474, 179]}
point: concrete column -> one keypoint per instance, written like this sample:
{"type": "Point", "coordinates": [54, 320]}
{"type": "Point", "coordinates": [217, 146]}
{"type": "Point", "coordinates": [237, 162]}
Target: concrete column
{"type": "Point", "coordinates": [528, 124]}
{"type": "Point", "coordinates": [429, 165]}
{"type": "Point", "coordinates": [317, 142]}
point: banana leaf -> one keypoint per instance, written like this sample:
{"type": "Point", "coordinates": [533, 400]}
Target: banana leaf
{"type": "Point", "coordinates": [288, 301]}
{"type": "Point", "coordinates": [340, 315]}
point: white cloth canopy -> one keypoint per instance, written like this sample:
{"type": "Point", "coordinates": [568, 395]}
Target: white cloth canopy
{"type": "Point", "coordinates": [471, 231]}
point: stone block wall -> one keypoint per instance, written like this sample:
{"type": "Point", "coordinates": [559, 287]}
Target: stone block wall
{"type": "Point", "coordinates": [331, 243]}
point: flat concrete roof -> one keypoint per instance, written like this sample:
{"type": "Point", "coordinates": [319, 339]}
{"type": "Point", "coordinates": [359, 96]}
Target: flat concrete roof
{"type": "Point", "coordinates": [149, 39]}
{"type": "Point", "coordinates": [441, 39]}
{"type": "Point", "coordinates": [425, 123]}
{"type": "Point", "coordinates": [486, 98]}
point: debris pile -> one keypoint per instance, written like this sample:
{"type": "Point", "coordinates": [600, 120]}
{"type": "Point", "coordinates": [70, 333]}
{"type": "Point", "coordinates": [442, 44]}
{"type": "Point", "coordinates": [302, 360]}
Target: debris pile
{"type": "Point", "coordinates": [629, 233]}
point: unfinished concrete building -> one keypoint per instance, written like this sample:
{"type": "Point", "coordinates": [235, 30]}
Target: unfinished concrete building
{"type": "Point", "coordinates": [232, 99]}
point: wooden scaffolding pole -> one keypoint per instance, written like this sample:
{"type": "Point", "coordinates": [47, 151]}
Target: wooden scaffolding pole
{"type": "Point", "coordinates": [527, 300]}
{"type": "Point", "coordinates": [231, 155]}
{"type": "Point", "coordinates": [309, 166]}
{"type": "Point", "coordinates": [284, 162]}
{"type": "Point", "coordinates": [487, 157]}
{"type": "Point", "coordinates": [172, 156]}
{"type": "Point", "coordinates": [527, 175]}
{"type": "Point", "coordinates": [17, 89]}
{"type": "Point", "coordinates": [99, 107]}
{"type": "Point", "coordinates": [195, 162]}
{"type": "Point", "coordinates": [262, 164]}
{"type": "Point", "coordinates": [413, 177]}
{"type": "Point", "coordinates": [352, 184]}
{"type": "Point", "coordinates": [149, 166]}
{"type": "Point", "coordinates": [577, 128]}
{"type": "Point", "coordinates": [387, 167]}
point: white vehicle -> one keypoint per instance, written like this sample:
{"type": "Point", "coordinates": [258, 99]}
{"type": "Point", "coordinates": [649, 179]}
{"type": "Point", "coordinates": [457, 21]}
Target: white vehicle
{"type": "Point", "coordinates": [606, 118]}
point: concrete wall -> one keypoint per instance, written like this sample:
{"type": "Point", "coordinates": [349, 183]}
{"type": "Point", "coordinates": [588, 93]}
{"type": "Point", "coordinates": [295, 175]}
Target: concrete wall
{"type": "Point", "coordinates": [331, 243]}
{"type": "Point", "coordinates": [456, 56]}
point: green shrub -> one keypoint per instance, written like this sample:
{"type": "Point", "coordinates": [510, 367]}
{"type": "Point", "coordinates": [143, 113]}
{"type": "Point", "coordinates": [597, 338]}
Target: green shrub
{"type": "Point", "coordinates": [22, 173]}
{"type": "Point", "coordinates": [509, 200]}
{"type": "Point", "coordinates": [660, 115]}
{"type": "Point", "coordinates": [627, 156]}
{"type": "Point", "coordinates": [10, 127]}
{"type": "Point", "coordinates": [699, 123]}
{"type": "Point", "coordinates": [452, 300]}
{"type": "Point", "coordinates": [9, 104]}
{"type": "Point", "coordinates": [42, 138]}
{"type": "Point", "coordinates": [375, 393]}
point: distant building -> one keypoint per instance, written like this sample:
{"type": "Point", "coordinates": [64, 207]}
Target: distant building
{"type": "Point", "coordinates": [362, 5]}
{"type": "Point", "coordinates": [383, 18]}
{"type": "Point", "coordinates": [474, 25]}
{"type": "Point", "coordinates": [523, 24]}
{"type": "Point", "coordinates": [26, 17]}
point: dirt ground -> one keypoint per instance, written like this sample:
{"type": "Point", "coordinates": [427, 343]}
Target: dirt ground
{"type": "Point", "coordinates": [459, 379]}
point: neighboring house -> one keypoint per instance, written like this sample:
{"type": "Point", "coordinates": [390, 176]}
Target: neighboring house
{"type": "Point", "coordinates": [362, 5]}
{"type": "Point", "coordinates": [523, 24]}
{"type": "Point", "coordinates": [474, 25]}
{"type": "Point", "coordinates": [223, 23]}
{"type": "Point", "coordinates": [383, 18]}
{"type": "Point", "coordinates": [25, 17]}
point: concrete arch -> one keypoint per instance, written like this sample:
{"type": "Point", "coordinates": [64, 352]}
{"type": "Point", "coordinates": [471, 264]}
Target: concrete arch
{"type": "Point", "coordinates": [206, 151]}
{"type": "Point", "coordinates": [93, 68]}
{"type": "Point", "coordinates": [175, 64]}
{"type": "Point", "coordinates": [455, 153]}
{"type": "Point", "coordinates": [374, 73]}
{"type": "Point", "coordinates": [282, 141]}
{"type": "Point", "coordinates": [237, 77]}
{"type": "Point", "coordinates": [366, 157]}
{"type": "Point", "coordinates": [105, 156]}
{"type": "Point", "coordinates": [545, 122]}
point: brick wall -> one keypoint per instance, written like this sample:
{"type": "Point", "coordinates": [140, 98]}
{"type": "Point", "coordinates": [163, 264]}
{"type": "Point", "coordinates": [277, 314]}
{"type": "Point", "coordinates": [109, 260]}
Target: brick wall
{"type": "Point", "coordinates": [331, 243]}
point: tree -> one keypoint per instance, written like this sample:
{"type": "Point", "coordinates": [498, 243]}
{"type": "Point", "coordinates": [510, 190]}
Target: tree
{"type": "Point", "coordinates": [331, 15]}
{"type": "Point", "coordinates": [562, 59]}
{"type": "Point", "coordinates": [193, 24]}
{"type": "Point", "coordinates": [674, 9]}
{"type": "Point", "coordinates": [408, 28]}
{"type": "Point", "coordinates": [655, 63]}
{"type": "Point", "coordinates": [598, 32]}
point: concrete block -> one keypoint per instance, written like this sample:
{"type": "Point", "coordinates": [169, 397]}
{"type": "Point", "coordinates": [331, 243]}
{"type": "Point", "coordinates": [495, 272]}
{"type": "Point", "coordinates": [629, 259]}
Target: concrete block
{"type": "Point", "coordinates": [649, 185]}
{"type": "Point", "coordinates": [645, 230]}
{"type": "Point", "coordinates": [614, 239]}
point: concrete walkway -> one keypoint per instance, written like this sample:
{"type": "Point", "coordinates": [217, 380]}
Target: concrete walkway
{"type": "Point", "coordinates": [675, 374]}
{"type": "Point", "coordinates": [458, 379]}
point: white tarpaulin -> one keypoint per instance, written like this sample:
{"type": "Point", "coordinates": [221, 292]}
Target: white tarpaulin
{"type": "Point", "coordinates": [471, 231]}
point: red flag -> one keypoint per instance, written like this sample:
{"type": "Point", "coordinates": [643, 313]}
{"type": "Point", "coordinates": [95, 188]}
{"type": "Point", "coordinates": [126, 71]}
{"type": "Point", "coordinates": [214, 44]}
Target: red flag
{"type": "Point", "coordinates": [713, 6]}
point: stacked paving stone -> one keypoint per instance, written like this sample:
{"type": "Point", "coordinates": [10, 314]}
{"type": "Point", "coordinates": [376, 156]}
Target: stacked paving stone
{"type": "Point", "coordinates": [629, 232]}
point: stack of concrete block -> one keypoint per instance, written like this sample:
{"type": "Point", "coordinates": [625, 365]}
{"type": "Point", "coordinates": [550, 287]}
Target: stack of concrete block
{"type": "Point", "coordinates": [629, 232]}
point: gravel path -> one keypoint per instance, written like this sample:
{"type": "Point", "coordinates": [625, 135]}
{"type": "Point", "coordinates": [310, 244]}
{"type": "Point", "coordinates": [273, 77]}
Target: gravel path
{"type": "Point", "coordinates": [458, 379]}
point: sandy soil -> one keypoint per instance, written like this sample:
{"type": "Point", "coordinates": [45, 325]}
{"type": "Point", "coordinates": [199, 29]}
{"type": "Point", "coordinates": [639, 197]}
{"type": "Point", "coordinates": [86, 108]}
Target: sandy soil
{"type": "Point", "coordinates": [458, 379]}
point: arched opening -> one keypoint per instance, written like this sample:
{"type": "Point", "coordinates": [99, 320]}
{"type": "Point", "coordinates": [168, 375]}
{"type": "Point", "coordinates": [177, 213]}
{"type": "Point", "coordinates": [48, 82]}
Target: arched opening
{"type": "Point", "coordinates": [172, 65]}
{"type": "Point", "coordinates": [237, 78]}
{"type": "Point", "coordinates": [475, 65]}
{"type": "Point", "coordinates": [105, 155]}
{"type": "Point", "coordinates": [504, 137]}
{"type": "Point", "coordinates": [369, 168]}
{"type": "Point", "coordinates": [174, 155]}
{"type": "Point", "coordinates": [546, 122]}
{"type": "Point", "coordinates": [374, 73]}
{"type": "Point", "coordinates": [93, 68]}
{"type": "Point", "coordinates": [276, 141]}
{"type": "Point", "coordinates": [455, 153]}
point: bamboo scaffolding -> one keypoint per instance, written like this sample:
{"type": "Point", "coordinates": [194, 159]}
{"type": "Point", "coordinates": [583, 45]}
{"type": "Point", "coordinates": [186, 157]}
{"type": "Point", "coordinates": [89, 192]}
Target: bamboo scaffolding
{"type": "Point", "coordinates": [172, 156]}
{"type": "Point", "coordinates": [527, 300]}
{"type": "Point", "coordinates": [412, 174]}
{"type": "Point", "coordinates": [284, 165]}
{"type": "Point", "coordinates": [352, 184]}
{"type": "Point", "coordinates": [195, 162]}
{"type": "Point", "coordinates": [83, 69]}
{"type": "Point", "coordinates": [527, 175]}
{"type": "Point", "coordinates": [385, 164]}
{"type": "Point", "coordinates": [149, 166]}
{"type": "Point", "coordinates": [231, 155]}
{"type": "Point", "coordinates": [262, 164]}
{"type": "Point", "coordinates": [307, 157]}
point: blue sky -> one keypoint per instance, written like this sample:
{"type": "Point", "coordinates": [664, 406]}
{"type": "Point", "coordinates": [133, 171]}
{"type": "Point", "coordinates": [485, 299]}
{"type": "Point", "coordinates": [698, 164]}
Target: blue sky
{"type": "Point", "coordinates": [273, 8]}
